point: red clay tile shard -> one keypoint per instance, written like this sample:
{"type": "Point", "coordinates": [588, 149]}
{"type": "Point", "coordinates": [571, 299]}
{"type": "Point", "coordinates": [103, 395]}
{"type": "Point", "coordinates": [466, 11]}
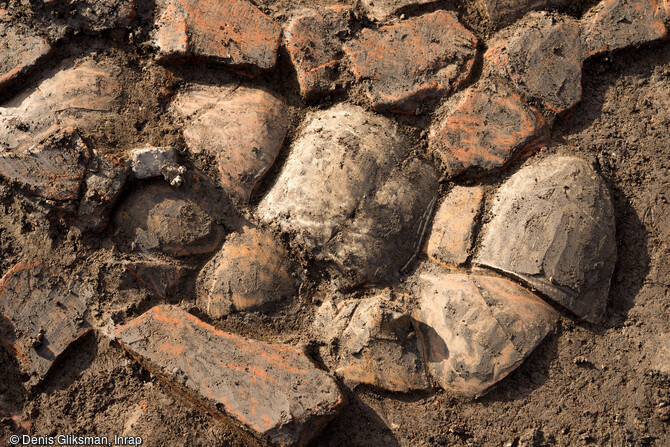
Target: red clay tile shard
{"type": "Point", "coordinates": [38, 320]}
{"type": "Point", "coordinates": [504, 12]}
{"type": "Point", "coordinates": [617, 24]}
{"type": "Point", "coordinates": [454, 224]}
{"type": "Point", "coordinates": [382, 9]}
{"type": "Point", "coordinates": [542, 56]}
{"type": "Point", "coordinates": [313, 40]}
{"type": "Point", "coordinates": [431, 56]}
{"type": "Point", "coordinates": [20, 50]}
{"type": "Point", "coordinates": [484, 130]}
{"type": "Point", "coordinates": [250, 272]}
{"type": "Point", "coordinates": [477, 329]}
{"type": "Point", "coordinates": [272, 390]}
{"type": "Point", "coordinates": [233, 32]}
{"type": "Point", "coordinates": [242, 128]}
{"type": "Point", "coordinates": [553, 228]}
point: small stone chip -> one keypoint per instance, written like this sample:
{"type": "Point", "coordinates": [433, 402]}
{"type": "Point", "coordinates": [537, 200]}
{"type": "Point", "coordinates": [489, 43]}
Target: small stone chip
{"type": "Point", "coordinates": [272, 390]}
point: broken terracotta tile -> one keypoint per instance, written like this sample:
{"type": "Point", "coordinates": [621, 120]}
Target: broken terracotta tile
{"type": "Point", "coordinates": [553, 228]}
{"type": "Point", "coordinates": [542, 57]}
{"type": "Point", "coordinates": [484, 130]}
{"type": "Point", "coordinates": [477, 329]}
{"type": "Point", "coordinates": [271, 390]}
{"type": "Point", "coordinates": [432, 55]}
{"type": "Point", "coordinates": [242, 128]}
{"type": "Point", "coordinates": [232, 32]}
{"type": "Point", "coordinates": [616, 24]}
{"type": "Point", "coordinates": [20, 50]}
{"type": "Point", "coordinates": [158, 277]}
{"type": "Point", "coordinates": [250, 272]}
{"type": "Point", "coordinates": [313, 40]}
{"type": "Point", "coordinates": [377, 343]}
{"type": "Point", "coordinates": [504, 12]}
{"type": "Point", "coordinates": [39, 320]}
{"type": "Point", "coordinates": [382, 9]}
{"type": "Point", "coordinates": [342, 193]}
{"type": "Point", "coordinates": [454, 223]}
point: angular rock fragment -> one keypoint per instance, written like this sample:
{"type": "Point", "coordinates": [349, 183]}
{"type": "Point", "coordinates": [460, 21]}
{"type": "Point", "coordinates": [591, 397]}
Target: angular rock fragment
{"type": "Point", "coordinates": [452, 234]}
{"type": "Point", "coordinates": [314, 41]}
{"type": "Point", "coordinates": [477, 329]}
{"type": "Point", "coordinates": [382, 9]}
{"type": "Point", "coordinates": [377, 343]}
{"type": "Point", "coordinates": [484, 129]}
{"type": "Point", "coordinates": [504, 12]}
{"type": "Point", "coordinates": [20, 50]}
{"type": "Point", "coordinates": [81, 97]}
{"type": "Point", "coordinates": [250, 272]}
{"type": "Point", "coordinates": [40, 318]}
{"type": "Point", "coordinates": [553, 228]}
{"type": "Point", "coordinates": [242, 128]}
{"type": "Point", "coordinates": [176, 222]}
{"type": "Point", "coordinates": [432, 55]}
{"type": "Point", "coordinates": [272, 390]}
{"type": "Point", "coordinates": [617, 24]}
{"type": "Point", "coordinates": [156, 276]}
{"type": "Point", "coordinates": [232, 32]}
{"type": "Point", "coordinates": [542, 57]}
{"type": "Point", "coordinates": [149, 162]}
{"type": "Point", "coordinates": [343, 194]}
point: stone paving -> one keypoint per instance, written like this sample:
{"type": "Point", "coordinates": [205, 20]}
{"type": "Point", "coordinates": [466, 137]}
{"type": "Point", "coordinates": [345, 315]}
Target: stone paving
{"type": "Point", "coordinates": [424, 292]}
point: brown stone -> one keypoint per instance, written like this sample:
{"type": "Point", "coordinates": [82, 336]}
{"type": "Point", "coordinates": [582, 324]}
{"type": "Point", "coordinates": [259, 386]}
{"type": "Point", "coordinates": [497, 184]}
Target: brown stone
{"type": "Point", "coordinates": [553, 228]}
{"type": "Point", "coordinates": [232, 32]}
{"type": "Point", "coordinates": [20, 50]}
{"type": "Point", "coordinates": [504, 12]}
{"type": "Point", "coordinates": [242, 128]}
{"type": "Point", "coordinates": [452, 235]}
{"type": "Point", "coordinates": [344, 195]}
{"type": "Point", "coordinates": [40, 320]}
{"type": "Point", "coordinates": [431, 56]}
{"type": "Point", "coordinates": [250, 272]}
{"type": "Point", "coordinates": [313, 40]}
{"type": "Point", "coordinates": [377, 343]}
{"type": "Point", "coordinates": [617, 24]}
{"type": "Point", "coordinates": [382, 9]}
{"type": "Point", "coordinates": [477, 329]}
{"type": "Point", "coordinates": [158, 277]}
{"type": "Point", "coordinates": [542, 57]}
{"type": "Point", "coordinates": [272, 390]}
{"type": "Point", "coordinates": [484, 129]}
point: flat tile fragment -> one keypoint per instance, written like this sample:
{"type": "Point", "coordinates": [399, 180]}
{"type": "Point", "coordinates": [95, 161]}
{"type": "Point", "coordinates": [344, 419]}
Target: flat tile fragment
{"type": "Point", "coordinates": [250, 272]}
{"type": "Point", "coordinates": [271, 390]}
{"type": "Point", "coordinates": [553, 228]}
{"type": "Point", "coordinates": [431, 56]}
{"type": "Point", "coordinates": [231, 32]}
{"type": "Point", "coordinates": [40, 318]}
{"type": "Point", "coordinates": [477, 329]}
{"type": "Point", "coordinates": [20, 50]}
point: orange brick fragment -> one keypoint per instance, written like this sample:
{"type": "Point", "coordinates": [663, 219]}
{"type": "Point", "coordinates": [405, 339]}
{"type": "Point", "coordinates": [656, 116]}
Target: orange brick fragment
{"type": "Point", "coordinates": [233, 32]}
{"type": "Point", "coordinates": [272, 390]}
{"type": "Point", "coordinates": [19, 51]}
{"type": "Point", "coordinates": [417, 60]}
{"type": "Point", "coordinates": [485, 130]}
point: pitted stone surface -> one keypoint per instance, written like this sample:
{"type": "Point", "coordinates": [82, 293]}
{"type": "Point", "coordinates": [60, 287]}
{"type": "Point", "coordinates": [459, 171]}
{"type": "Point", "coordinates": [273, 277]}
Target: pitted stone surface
{"type": "Point", "coordinates": [20, 50]}
{"type": "Point", "coordinates": [377, 343]}
{"type": "Point", "coordinates": [342, 194]}
{"type": "Point", "coordinates": [272, 390]}
{"type": "Point", "coordinates": [477, 329]}
{"type": "Point", "coordinates": [484, 129]}
{"type": "Point", "coordinates": [431, 56]}
{"type": "Point", "coordinates": [454, 223]}
{"type": "Point", "coordinates": [250, 272]}
{"type": "Point", "coordinates": [553, 228]}
{"type": "Point", "coordinates": [81, 96]}
{"type": "Point", "coordinates": [382, 9]}
{"type": "Point", "coordinates": [39, 320]}
{"type": "Point", "coordinates": [542, 56]}
{"type": "Point", "coordinates": [232, 32]}
{"type": "Point", "coordinates": [314, 41]}
{"type": "Point", "coordinates": [176, 222]}
{"type": "Point", "coordinates": [242, 128]}
{"type": "Point", "coordinates": [617, 24]}
{"type": "Point", "coordinates": [504, 12]}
